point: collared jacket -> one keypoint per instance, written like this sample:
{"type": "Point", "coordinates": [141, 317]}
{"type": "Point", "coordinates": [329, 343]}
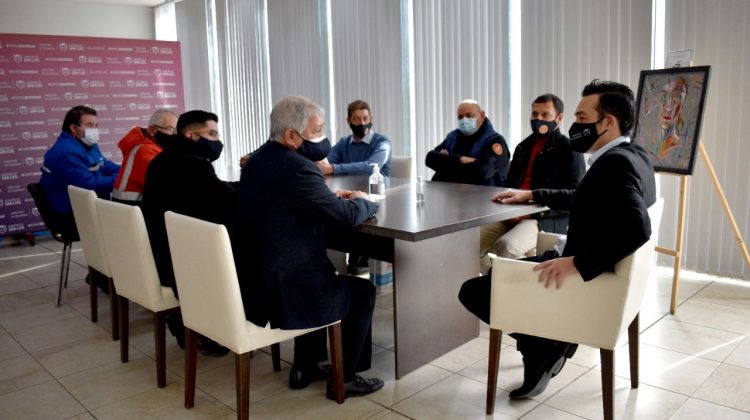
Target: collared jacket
{"type": "Point", "coordinates": [70, 162]}
{"type": "Point", "coordinates": [487, 146]}
{"type": "Point", "coordinates": [556, 166]}
{"type": "Point", "coordinates": [137, 152]}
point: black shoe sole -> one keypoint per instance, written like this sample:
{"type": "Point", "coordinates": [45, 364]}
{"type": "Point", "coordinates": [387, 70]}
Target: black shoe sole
{"type": "Point", "coordinates": [543, 381]}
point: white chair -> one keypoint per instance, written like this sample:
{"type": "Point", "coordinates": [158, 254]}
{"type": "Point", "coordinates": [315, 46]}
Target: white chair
{"type": "Point", "coordinates": [87, 221]}
{"type": "Point", "coordinates": [211, 305]}
{"type": "Point", "coordinates": [401, 166]}
{"type": "Point", "coordinates": [134, 272]}
{"type": "Point", "coordinates": [593, 313]}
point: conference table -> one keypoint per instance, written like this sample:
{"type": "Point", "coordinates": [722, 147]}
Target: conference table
{"type": "Point", "coordinates": [434, 248]}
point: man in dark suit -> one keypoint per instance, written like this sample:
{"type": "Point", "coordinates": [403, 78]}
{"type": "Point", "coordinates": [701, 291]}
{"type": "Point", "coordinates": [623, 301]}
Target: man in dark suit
{"type": "Point", "coordinates": [608, 218]}
{"type": "Point", "coordinates": [284, 209]}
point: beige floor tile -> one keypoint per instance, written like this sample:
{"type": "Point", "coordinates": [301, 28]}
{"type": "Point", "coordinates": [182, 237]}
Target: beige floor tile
{"type": "Point", "coordinates": [110, 383]}
{"type": "Point", "coordinates": [387, 415]}
{"type": "Point", "coordinates": [49, 275]}
{"type": "Point", "coordinates": [15, 283]}
{"type": "Point", "coordinates": [28, 299]}
{"type": "Point", "coordinates": [708, 343]}
{"type": "Point", "coordinates": [220, 382]}
{"type": "Point", "coordinates": [730, 293]}
{"type": "Point", "coordinates": [586, 356]}
{"type": "Point", "coordinates": [34, 316]}
{"type": "Point", "coordinates": [718, 316]}
{"type": "Point", "coordinates": [311, 403]}
{"type": "Point", "coordinates": [695, 409]}
{"type": "Point", "coordinates": [666, 369]}
{"type": "Point", "coordinates": [460, 397]}
{"type": "Point", "coordinates": [9, 348]}
{"type": "Point", "coordinates": [384, 367]}
{"type": "Point", "coordinates": [584, 398]}
{"type": "Point", "coordinates": [463, 356]}
{"type": "Point", "coordinates": [176, 359]}
{"type": "Point", "coordinates": [82, 355]}
{"type": "Point", "coordinates": [384, 301]}
{"type": "Point", "coordinates": [382, 328]}
{"type": "Point", "coordinates": [84, 416]}
{"type": "Point", "coordinates": [545, 412]}
{"type": "Point", "coordinates": [164, 403]}
{"type": "Point", "coordinates": [727, 386]}
{"type": "Point", "coordinates": [47, 400]}
{"type": "Point", "coordinates": [20, 372]}
{"type": "Point", "coordinates": [59, 333]}
{"type": "Point", "coordinates": [741, 354]}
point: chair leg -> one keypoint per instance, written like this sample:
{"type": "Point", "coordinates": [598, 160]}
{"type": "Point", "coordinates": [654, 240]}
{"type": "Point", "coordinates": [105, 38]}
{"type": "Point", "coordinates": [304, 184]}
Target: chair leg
{"type": "Point", "coordinates": [633, 338]}
{"type": "Point", "coordinates": [191, 360]}
{"type": "Point", "coordinates": [67, 264]}
{"type": "Point", "coordinates": [242, 367]}
{"type": "Point", "coordinates": [337, 361]}
{"type": "Point", "coordinates": [63, 272]}
{"type": "Point", "coordinates": [275, 357]}
{"type": "Point", "coordinates": [93, 274]}
{"type": "Point", "coordinates": [496, 337]}
{"type": "Point", "coordinates": [608, 382]}
{"type": "Point", "coordinates": [113, 310]}
{"type": "Point", "coordinates": [160, 345]}
{"type": "Point", "coordinates": [124, 332]}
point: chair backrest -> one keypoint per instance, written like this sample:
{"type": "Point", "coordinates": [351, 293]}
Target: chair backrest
{"type": "Point", "coordinates": [128, 252]}
{"type": "Point", "coordinates": [401, 166]}
{"type": "Point", "coordinates": [87, 221]}
{"type": "Point", "coordinates": [210, 299]}
{"type": "Point", "coordinates": [50, 217]}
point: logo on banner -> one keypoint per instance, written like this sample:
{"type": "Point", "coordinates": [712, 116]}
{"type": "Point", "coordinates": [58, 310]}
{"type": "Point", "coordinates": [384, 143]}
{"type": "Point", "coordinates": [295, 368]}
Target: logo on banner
{"type": "Point", "coordinates": [20, 84]}
{"type": "Point", "coordinates": [157, 72]}
{"type": "Point", "coordinates": [62, 46]}
{"type": "Point", "coordinates": [128, 60]}
{"type": "Point", "coordinates": [65, 71]}
{"type": "Point", "coordinates": [23, 110]}
{"type": "Point", "coordinates": [68, 96]}
{"type": "Point", "coordinates": [29, 161]}
{"type": "Point", "coordinates": [17, 58]}
{"type": "Point", "coordinates": [26, 135]}
{"type": "Point", "coordinates": [155, 50]}
{"type": "Point", "coordinates": [82, 59]}
{"type": "Point", "coordinates": [131, 84]}
{"type": "Point", "coordinates": [3, 229]}
{"type": "Point", "coordinates": [160, 94]}
{"type": "Point", "coordinates": [35, 211]}
{"type": "Point", "coordinates": [84, 83]}
{"type": "Point", "coordinates": [132, 106]}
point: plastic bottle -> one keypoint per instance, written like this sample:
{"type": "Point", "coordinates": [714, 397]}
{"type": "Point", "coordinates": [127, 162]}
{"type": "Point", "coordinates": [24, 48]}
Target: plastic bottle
{"type": "Point", "coordinates": [420, 191]}
{"type": "Point", "coordinates": [377, 182]}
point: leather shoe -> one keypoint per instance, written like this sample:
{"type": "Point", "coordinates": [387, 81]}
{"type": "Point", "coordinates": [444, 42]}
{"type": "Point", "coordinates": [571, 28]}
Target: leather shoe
{"type": "Point", "coordinates": [536, 377]}
{"type": "Point", "coordinates": [356, 387]}
{"type": "Point", "coordinates": [300, 378]}
{"type": "Point", "coordinates": [210, 348]}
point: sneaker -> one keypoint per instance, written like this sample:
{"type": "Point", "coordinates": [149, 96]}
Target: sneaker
{"type": "Point", "coordinates": [536, 377]}
{"type": "Point", "coordinates": [301, 378]}
{"type": "Point", "coordinates": [357, 387]}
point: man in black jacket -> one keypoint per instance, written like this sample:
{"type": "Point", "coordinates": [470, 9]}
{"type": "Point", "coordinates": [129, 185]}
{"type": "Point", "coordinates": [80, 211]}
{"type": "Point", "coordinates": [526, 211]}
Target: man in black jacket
{"type": "Point", "coordinates": [611, 201]}
{"type": "Point", "coordinates": [182, 179]}
{"type": "Point", "coordinates": [473, 153]}
{"type": "Point", "coordinates": [284, 208]}
{"type": "Point", "coordinates": [544, 159]}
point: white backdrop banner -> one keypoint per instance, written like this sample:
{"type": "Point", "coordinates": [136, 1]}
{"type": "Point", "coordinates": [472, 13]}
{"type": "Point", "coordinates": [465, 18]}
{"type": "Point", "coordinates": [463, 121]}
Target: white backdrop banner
{"type": "Point", "coordinates": [43, 76]}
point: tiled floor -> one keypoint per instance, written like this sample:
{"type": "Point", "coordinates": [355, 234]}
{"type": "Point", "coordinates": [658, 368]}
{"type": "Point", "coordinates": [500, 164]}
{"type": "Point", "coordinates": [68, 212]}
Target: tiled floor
{"type": "Point", "coordinates": [55, 363]}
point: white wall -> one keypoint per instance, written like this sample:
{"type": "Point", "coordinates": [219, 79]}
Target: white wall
{"type": "Point", "coordinates": [75, 18]}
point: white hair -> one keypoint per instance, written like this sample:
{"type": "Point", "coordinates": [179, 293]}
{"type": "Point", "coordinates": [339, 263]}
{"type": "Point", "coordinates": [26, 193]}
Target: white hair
{"type": "Point", "coordinates": [292, 112]}
{"type": "Point", "coordinates": [156, 117]}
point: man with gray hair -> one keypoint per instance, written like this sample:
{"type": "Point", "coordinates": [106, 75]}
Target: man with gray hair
{"type": "Point", "coordinates": [473, 153]}
{"type": "Point", "coordinates": [138, 148]}
{"type": "Point", "coordinates": [284, 209]}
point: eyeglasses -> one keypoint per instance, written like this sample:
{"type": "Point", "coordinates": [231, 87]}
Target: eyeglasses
{"type": "Point", "coordinates": [211, 133]}
{"type": "Point", "coordinates": [168, 130]}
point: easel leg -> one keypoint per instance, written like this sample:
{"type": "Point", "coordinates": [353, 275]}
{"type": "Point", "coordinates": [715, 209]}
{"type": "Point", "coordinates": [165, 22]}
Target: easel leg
{"type": "Point", "coordinates": [678, 245]}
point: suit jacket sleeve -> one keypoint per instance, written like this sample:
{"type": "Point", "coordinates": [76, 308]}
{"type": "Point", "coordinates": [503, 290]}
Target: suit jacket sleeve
{"type": "Point", "coordinates": [556, 199]}
{"type": "Point", "coordinates": [440, 162]}
{"type": "Point", "coordinates": [313, 198]}
{"type": "Point", "coordinates": [621, 202]}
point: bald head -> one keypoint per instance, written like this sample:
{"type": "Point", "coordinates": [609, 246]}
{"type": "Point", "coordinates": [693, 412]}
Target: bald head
{"type": "Point", "coordinates": [469, 108]}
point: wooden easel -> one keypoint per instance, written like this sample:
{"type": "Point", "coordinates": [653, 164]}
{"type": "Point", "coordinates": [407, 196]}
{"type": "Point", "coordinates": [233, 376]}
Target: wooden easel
{"type": "Point", "coordinates": [677, 252]}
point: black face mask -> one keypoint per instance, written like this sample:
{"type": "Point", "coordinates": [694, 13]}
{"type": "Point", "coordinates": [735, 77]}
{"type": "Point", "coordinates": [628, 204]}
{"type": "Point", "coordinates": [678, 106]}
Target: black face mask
{"type": "Point", "coordinates": [584, 135]}
{"type": "Point", "coordinates": [315, 151]}
{"type": "Point", "coordinates": [543, 128]}
{"type": "Point", "coordinates": [209, 149]}
{"type": "Point", "coordinates": [359, 130]}
{"type": "Point", "coordinates": [162, 139]}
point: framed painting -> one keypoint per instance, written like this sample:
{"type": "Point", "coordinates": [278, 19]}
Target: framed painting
{"type": "Point", "coordinates": [669, 111]}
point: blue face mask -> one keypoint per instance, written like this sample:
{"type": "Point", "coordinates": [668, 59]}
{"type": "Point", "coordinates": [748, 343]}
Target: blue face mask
{"type": "Point", "coordinates": [468, 126]}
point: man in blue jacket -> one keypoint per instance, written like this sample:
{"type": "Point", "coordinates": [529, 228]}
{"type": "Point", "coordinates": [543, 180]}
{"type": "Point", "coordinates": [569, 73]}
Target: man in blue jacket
{"type": "Point", "coordinates": [473, 153]}
{"type": "Point", "coordinates": [354, 154]}
{"type": "Point", "coordinates": [75, 159]}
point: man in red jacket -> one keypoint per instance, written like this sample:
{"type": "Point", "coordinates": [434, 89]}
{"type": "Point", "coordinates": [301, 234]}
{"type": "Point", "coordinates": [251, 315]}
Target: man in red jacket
{"type": "Point", "coordinates": [138, 148]}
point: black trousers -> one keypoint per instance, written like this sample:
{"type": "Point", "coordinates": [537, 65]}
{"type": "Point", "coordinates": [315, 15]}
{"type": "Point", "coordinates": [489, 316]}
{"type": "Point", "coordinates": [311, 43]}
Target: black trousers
{"type": "Point", "coordinates": [356, 333]}
{"type": "Point", "coordinates": [475, 296]}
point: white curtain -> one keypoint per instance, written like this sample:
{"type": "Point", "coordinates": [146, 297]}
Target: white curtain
{"type": "Point", "coordinates": [718, 35]}
{"type": "Point", "coordinates": [460, 52]}
{"type": "Point", "coordinates": [193, 37]}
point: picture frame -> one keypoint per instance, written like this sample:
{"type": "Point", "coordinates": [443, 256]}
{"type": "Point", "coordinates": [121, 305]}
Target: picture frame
{"type": "Point", "coordinates": [669, 113]}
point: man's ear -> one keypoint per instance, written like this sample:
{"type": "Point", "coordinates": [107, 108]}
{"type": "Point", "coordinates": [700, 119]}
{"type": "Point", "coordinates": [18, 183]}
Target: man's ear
{"type": "Point", "coordinates": [559, 118]}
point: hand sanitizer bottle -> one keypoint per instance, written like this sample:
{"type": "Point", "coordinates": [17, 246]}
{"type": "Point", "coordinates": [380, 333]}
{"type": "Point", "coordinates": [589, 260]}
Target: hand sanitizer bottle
{"type": "Point", "coordinates": [377, 182]}
{"type": "Point", "coordinates": [420, 191]}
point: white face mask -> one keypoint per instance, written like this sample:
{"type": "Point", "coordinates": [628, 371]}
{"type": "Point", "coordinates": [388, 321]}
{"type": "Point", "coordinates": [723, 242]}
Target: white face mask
{"type": "Point", "coordinates": [91, 136]}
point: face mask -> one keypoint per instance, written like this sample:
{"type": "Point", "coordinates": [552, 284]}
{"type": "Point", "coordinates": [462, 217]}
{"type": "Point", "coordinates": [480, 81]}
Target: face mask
{"type": "Point", "coordinates": [162, 139]}
{"type": "Point", "coordinates": [315, 149]}
{"type": "Point", "coordinates": [359, 130]}
{"type": "Point", "coordinates": [90, 136]}
{"type": "Point", "coordinates": [583, 136]}
{"type": "Point", "coordinates": [542, 128]}
{"type": "Point", "coordinates": [209, 149]}
{"type": "Point", "coordinates": [468, 126]}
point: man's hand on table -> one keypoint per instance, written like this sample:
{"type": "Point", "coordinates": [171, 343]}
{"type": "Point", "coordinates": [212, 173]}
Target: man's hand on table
{"type": "Point", "coordinates": [513, 197]}
{"type": "Point", "coordinates": [325, 167]}
{"type": "Point", "coordinates": [351, 195]}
